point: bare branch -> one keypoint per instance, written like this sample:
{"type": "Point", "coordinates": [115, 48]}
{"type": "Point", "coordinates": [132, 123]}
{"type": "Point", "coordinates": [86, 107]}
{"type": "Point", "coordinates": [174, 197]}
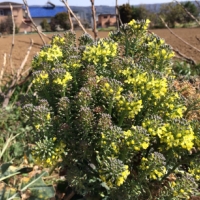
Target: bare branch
{"type": "Point", "coordinates": [34, 25]}
{"type": "Point", "coordinates": [2, 70]}
{"type": "Point", "coordinates": [192, 16]}
{"type": "Point", "coordinates": [69, 9]}
{"type": "Point", "coordinates": [178, 36]}
{"type": "Point", "coordinates": [13, 39]}
{"type": "Point", "coordinates": [70, 20]}
{"type": "Point", "coordinates": [117, 14]}
{"type": "Point", "coordinates": [34, 28]}
{"type": "Point", "coordinates": [94, 19]}
{"type": "Point", "coordinates": [197, 38]}
{"type": "Point", "coordinates": [26, 71]}
{"type": "Point", "coordinates": [189, 60]}
{"type": "Point", "coordinates": [119, 17]}
{"type": "Point", "coordinates": [13, 85]}
{"type": "Point", "coordinates": [197, 3]}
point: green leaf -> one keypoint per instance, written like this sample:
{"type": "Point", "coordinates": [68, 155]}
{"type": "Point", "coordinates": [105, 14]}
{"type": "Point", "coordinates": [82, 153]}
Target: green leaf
{"type": "Point", "coordinates": [7, 170]}
{"type": "Point", "coordinates": [105, 186]}
{"type": "Point", "coordinates": [6, 192]}
{"type": "Point", "coordinates": [38, 188]}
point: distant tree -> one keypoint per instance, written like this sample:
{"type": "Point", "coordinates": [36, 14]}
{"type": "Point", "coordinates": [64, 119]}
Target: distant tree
{"type": "Point", "coordinates": [140, 12]}
{"type": "Point", "coordinates": [172, 13]}
{"type": "Point", "coordinates": [6, 25]}
{"type": "Point", "coordinates": [53, 24]}
{"type": "Point", "coordinates": [126, 13]}
{"type": "Point", "coordinates": [192, 9]}
{"type": "Point", "coordinates": [45, 25]}
{"type": "Point", "coordinates": [60, 19]}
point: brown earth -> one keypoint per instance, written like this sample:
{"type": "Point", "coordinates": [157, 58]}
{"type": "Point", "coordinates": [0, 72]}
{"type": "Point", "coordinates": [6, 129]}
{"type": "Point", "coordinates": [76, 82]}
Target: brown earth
{"type": "Point", "coordinates": [22, 42]}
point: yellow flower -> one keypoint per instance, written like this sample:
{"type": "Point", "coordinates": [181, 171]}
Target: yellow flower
{"type": "Point", "coordinates": [37, 126]}
{"type": "Point", "coordinates": [48, 116]}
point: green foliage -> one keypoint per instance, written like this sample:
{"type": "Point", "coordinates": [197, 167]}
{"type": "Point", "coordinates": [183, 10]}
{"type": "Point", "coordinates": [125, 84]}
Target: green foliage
{"type": "Point", "coordinates": [29, 186]}
{"type": "Point", "coordinates": [45, 25]}
{"type": "Point", "coordinates": [140, 12]}
{"type": "Point", "coordinates": [126, 13]}
{"type": "Point", "coordinates": [108, 111]}
{"type": "Point", "coordinates": [174, 13]}
{"type": "Point", "coordinates": [186, 69]}
{"type": "Point", "coordinates": [61, 20]}
{"type": "Point", "coordinates": [13, 133]}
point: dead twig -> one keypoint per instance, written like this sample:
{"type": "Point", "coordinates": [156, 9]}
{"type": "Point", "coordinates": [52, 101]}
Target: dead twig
{"type": "Point", "coordinates": [13, 84]}
{"type": "Point", "coordinates": [2, 70]}
{"type": "Point", "coordinates": [192, 16]}
{"type": "Point", "coordinates": [197, 38]}
{"type": "Point", "coordinates": [13, 39]}
{"type": "Point", "coordinates": [34, 25]}
{"type": "Point", "coordinates": [189, 60]}
{"type": "Point", "coordinates": [117, 14]}
{"type": "Point", "coordinates": [94, 19]}
{"type": "Point", "coordinates": [70, 20]}
{"type": "Point", "coordinates": [178, 36]}
{"type": "Point", "coordinates": [69, 9]}
{"type": "Point", "coordinates": [119, 17]}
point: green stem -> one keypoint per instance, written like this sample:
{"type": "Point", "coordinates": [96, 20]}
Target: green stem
{"type": "Point", "coordinates": [53, 168]}
{"type": "Point", "coordinates": [122, 118]}
{"type": "Point", "coordinates": [110, 107]}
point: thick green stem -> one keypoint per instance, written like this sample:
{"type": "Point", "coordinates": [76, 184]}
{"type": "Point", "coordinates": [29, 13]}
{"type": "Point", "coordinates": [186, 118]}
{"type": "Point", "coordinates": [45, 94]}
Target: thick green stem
{"type": "Point", "coordinates": [110, 107]}
{"type": "Point", "coordinates": [53, 168]}
{"type": "Point", "coordinates": [122, 118]}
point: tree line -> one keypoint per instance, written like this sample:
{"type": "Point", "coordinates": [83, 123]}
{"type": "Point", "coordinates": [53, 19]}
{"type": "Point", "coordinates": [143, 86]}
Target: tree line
{"type": "Point", "coordinates": [172, 13]}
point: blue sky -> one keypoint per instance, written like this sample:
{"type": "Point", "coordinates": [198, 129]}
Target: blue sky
{"type": "Point", "coordinates": [87, 2]}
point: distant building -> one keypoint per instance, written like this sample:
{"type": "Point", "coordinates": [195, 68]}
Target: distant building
{"type": "Point", "coordinates": [106, 20]}
{"type": "Point", "coordinates": [39, 13]}
{"type": "Point", "coordinates": [18, 13]}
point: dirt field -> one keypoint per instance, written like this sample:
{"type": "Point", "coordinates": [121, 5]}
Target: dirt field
{"type": "Point", "coordinates": [22, 42]}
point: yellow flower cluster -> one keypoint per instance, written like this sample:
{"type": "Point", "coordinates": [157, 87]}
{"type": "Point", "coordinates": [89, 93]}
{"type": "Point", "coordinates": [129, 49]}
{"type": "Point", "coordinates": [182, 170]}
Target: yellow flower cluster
{"type": "Point", "coordinates": [52, 54]}
{"type": "Point", "coordinates": [118, 180]}
{"type": "Point", "coordinates": [100, 53]}
{"type": "Point", "coordinates": [172, 134]}
{"type": "Point", "coordinates": [131, 108]}
{"type": "Point", "coordinates": [135, 140]}
{"type": "Point", "coordinates": [122, 176]}
{"type": "Point", "coordinates": [112, 91]}
{"type": "Point", "coordinates": [145, 83]}
{"type": "Point", "coordinates": [136, 25]}
{"type": "Point", "coordinates": [152, 168]}
{"type": "Point", "coordinates": [51, 158]}
{"type": "Point", "coordinates": [194, 170]}
{"type": "Point", "coordinates": [157, 49]}
{"type": "Point", "coordinates": [63, 81]}
{"type": "Point", "coordinates": [58, 40]}
{"type": "Point", "coordinates": [183, 188]}
{"type": "Point", "coordinates": [41, 78]}
{"type": "Point", "coordinates": [156, 174]}
{"type": "Point", "coordinates": [106, 140]}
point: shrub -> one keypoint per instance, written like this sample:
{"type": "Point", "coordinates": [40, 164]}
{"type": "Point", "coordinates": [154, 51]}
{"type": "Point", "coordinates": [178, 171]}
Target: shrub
{"type": "Point", "coordinates": [61, 20]}
{"type": "Point", "coordinates": [108, 111]}
{"type": "Point", "coordinates": [6, 25]}
{"type": "Point", "coordinates": [45, 25]}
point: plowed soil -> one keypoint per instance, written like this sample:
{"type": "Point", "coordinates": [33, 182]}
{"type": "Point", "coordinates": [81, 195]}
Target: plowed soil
{"type": "Point", "coordinates": [22, 42]}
